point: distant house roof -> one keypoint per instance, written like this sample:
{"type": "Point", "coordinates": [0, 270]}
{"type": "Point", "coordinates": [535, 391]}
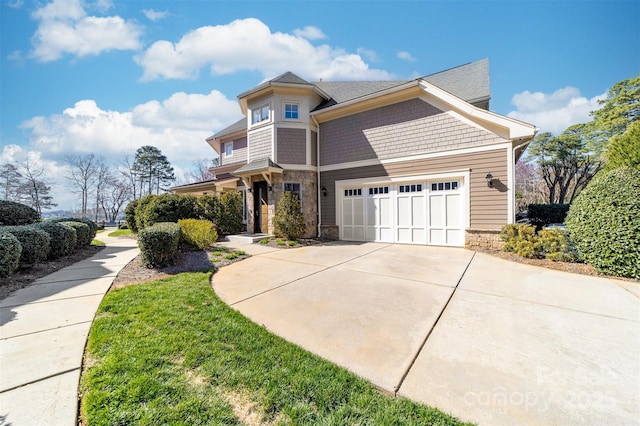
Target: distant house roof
{"type": "Point", "coordinates": [469, 82]}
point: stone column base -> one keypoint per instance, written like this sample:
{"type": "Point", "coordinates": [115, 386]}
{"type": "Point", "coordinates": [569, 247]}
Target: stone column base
{"type": "Point", "coordinates": [486, 239]}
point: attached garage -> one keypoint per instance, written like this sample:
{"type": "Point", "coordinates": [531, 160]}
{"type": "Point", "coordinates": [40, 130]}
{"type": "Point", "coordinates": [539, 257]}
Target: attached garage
{"type": "Point", "coordinates": [430, 211]}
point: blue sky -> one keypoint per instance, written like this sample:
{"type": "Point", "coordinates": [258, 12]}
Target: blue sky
{"type": "Point", "coordinates": [110, 76]}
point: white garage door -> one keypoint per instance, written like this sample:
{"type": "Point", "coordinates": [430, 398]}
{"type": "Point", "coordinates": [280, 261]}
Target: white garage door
{"type": "Point", "coordinates": [430, 212]}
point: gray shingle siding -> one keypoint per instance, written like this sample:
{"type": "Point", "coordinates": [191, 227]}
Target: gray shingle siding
{"type": "Point", "coordinates": [239, 152]}
{"type": "Point", "coordinates": [406, 128]}
{"type": "Point", "coordinates": [260, 144]}
{"type": "Point", "coordinates": [291, 145]}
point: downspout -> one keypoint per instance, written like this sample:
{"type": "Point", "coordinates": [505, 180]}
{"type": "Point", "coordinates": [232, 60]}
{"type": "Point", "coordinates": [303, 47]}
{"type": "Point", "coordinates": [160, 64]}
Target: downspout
{"type": "Point", "coordinates": [318, 192]}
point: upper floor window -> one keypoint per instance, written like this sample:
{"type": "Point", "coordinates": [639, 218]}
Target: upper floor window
{"type": "Point", "coordinates": [294, 187]}
{"type": "Point", "coordinates": [228, 149]}
{"type": "Point", "coordinates": [291, 111]}
{"type": "Point", "coordinates": [260, 114]}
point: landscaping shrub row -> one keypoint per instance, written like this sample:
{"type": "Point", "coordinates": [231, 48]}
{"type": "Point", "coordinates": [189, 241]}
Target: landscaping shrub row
{"type": "Point", "coordinates": [542, 215]}
{"type": "Point", "coordinates": [553, 244]}
{"type": "Point", "coordinates": [224, 210]}
{"type": "Point", "coordinates": [25, 241]}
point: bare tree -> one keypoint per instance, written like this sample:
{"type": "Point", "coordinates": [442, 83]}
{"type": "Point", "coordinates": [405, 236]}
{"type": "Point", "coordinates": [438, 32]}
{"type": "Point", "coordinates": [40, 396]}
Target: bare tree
{"type": "Point", "coordinates": [130, 173]}
{"type": "Point", "coordinates": [103, 178]}
{"type": "Point", "coordinates": [116, 194]}
{"type": "Point", "coordinates": [33, 191]}
{"type": "Point", "coordinates": [201, 170]}
{"type": "Point", "coordinates": [11, 180]}
{"type": "Point", "coordinates": [83, 169]}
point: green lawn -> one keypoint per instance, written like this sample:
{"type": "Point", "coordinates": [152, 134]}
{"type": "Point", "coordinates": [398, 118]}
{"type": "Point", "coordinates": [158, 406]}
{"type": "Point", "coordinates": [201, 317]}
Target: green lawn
{"type": "Point", "coordinates": [119, 232]}
{"type": "Point", "coordinates": [170, 352]}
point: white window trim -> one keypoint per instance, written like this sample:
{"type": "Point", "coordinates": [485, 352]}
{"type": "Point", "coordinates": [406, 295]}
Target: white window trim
{"type": "Point", "coordinates": [284, 110]}
{"type": "Point", "coordinates": [299, 194]}
{"type": "Point", "coordinates": [259, 109]}
{"type": "Point", "coordinates": [227, 144]}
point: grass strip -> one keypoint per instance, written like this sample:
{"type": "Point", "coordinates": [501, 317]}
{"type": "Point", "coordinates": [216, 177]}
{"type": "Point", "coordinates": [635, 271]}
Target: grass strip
{"type": "Point", "coordinates": [171, 352]}
{"type": "Point", "coordinates": [120, 232]}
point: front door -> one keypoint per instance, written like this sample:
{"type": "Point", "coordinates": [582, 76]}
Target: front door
{"type": "Point", "coordinates": [260, 208]}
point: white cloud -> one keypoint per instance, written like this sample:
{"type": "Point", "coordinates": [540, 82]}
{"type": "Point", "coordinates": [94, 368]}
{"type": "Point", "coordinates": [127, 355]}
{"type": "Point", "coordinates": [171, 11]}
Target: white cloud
{"type": "Point", "coordinates": [406, 56]}
{"type": "Point", "coordinates": [177, 125]}
{"type": "Point", "coordinates": [155, 15]}
{"type": "Point", "coordinates": [310, 33]}
{"type": "Point", "coordinates": [65, 28]}
{"type": "Point", "coordinates": [554, 112]}
{"type": "Point", "coordinates": [248, 44]}
{"type": "Point", "coordinates": [17, 4]}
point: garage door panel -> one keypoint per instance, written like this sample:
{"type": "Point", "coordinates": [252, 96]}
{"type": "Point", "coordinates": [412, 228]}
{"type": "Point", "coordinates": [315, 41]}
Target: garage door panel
{"type": "Point", "coordinates": [386, 212]}
{"type": "Point", "coordinates": [404, 217]}
{"type": "Point", "coordinates": [454, 209]}
{"type": "Point", "coordinates": [436, 210]}
{"type": "Point", "coordinates": [358, 212]}
{"type": "Point", "coordinates": [417, 207]}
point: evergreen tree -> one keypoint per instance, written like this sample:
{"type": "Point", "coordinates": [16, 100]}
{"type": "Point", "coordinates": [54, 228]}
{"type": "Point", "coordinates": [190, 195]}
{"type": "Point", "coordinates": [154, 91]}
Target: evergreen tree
{"type": "Point", "coordinates": [153, 169]}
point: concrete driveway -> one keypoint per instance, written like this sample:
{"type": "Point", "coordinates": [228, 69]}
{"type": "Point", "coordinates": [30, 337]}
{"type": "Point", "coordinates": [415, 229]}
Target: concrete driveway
{"type": "Point", "coordinates": [487, 340]}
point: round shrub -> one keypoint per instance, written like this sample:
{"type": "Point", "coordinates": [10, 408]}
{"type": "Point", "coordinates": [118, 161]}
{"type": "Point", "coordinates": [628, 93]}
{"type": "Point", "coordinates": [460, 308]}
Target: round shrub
{"type": "Point", "coordinates": [199, 233]}
{"type": "Point", "coordinates": [12, 213]}
{"type": "Point", "coordinates": [83, 233]}
{"type": "Point", "coordinates": [557, 246]}
{"type": "Point", "coordinates": [35, 243]}
{"type": "Point", "coordinates": [171, 208]}
{"type": "Point", "coordinates": [604, 223]}
{"type": "Point", "coordinates": [93, 227]}
{"type": "Point", "coordinates": [141, 208]}
{"type": "Point", "coordinates": [159, 244]}
{"type": "Point", "coordinates": [10, 251]}
{"type": "Point", "coordinates": [521, 239]}
{"type": "Point", "coordinates": [130, 216]}
{"type": "Point", "coordinates": [63, 238]}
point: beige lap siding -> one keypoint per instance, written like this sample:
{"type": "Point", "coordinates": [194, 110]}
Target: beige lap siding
{"type": "Point", "coordinates": [239, 152]}
{"type": "Point", "coordinates": [488, 206]}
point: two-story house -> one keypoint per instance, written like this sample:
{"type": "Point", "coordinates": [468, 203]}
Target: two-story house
{"type": "Point", "coordinates": [421, 161]}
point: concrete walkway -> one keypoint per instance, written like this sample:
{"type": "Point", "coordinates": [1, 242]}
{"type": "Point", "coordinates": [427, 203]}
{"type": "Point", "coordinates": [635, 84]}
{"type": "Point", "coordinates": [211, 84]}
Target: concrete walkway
{"type": "Point", "coordinates": [487, 340]}
{"type": "Point", "coordinates": [43, 331]}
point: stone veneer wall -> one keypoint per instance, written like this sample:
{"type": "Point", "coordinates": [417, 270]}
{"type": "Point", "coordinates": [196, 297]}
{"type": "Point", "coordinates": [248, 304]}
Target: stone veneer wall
{"type": "Point", "coordinates": [309, 186]}
{"type": "Point", "coordinates": [483, 239]}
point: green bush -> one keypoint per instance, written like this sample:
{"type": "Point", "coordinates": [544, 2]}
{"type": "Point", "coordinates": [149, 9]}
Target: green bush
{"type": "Point", "coordinates": [557, 246]}
{"type": "Point", "coordinates": [171, 208]}
{"type": "Point", "coordinates": [35, 243]}
{"type": "Point", "coordinates": [140, 210]}
{"type": "Point", "coordinates": [159, 244]}
{"type": "Point", "coordinates": [83, 233]}
{"type": "Point", "coordinates": [604, 223]}
{"type": "Point", "coordinates": [83, 240]}
{"type": "Point", "coordinates": [224, 210]}
{"type": "Point", "coordinates": [130, 216]}
{"type": "Point", "coordinates": [13, 214]}
{"type": "Point", "coordinates": [288, 221]}
{"type": "Point", "coordinates": [545, 214]}
{"type": "Point", "coordinates": [200, 233]}
{"type": "Point", "coordinates": [521, 239]}
{"type": "Point", "coordinates": [63, 238]}
{"type": "Point", "coordinates": [10, 251]}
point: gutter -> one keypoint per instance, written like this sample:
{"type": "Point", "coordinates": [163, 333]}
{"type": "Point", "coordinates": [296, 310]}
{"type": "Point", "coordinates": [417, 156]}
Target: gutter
{"type": "Point", "coordinates": [318, 192]}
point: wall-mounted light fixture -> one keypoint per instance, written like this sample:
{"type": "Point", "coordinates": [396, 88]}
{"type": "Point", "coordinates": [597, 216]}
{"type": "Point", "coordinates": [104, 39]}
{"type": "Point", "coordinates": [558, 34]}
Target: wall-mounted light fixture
{"type": "Point", "coordinates": [489, 178]}
{"type": "Point", "coordinates": [270, 188]}
{"type": "Point", "coordinates": [249, 189]}
{"type": "Point", "coordinates": [324, 191]}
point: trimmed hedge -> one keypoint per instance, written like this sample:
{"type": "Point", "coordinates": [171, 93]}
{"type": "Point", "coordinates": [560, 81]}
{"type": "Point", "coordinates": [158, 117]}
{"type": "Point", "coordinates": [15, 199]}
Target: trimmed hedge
{"type": "Point", "coordinates": [34, 241]}
{"type": "Point", "coordinates": [171, 208]}
{"type": "Point", "coordinates": [159, 244]}
{"type": "Point", "coordinates": [83, 233]}
{"type": "Point", "coordinates": [10, 251]}
{"type": "Point", "coordinates": [224, 210]}
{"type": "Point", "coordinates": [93, 228]}
{"type": "Point", "coordinates": [15, 214]}
{"type": "Point", "coordinates": [141, 208]}
{"type": "Point", "coordinates": [63, 238]}
{"type": "Point", "coordinates": [130, 216]}
{"type": "Point", "coordinates": [199, 233]}
{"type": "Point", "coordinates": [604, 223]}
{"type": "Point", "coordinates": [545, 214]}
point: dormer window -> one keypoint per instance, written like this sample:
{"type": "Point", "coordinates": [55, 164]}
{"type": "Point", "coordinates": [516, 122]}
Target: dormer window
{"type": "Point", "coordinates": [260, 114]}
{"type": "Point", "coordinates": [291, 111]}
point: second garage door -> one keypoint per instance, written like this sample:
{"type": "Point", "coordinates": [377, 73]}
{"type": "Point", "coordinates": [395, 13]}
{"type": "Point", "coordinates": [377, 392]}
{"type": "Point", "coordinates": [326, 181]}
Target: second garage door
{"type": "Point", "coordinates": [428, 212]}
